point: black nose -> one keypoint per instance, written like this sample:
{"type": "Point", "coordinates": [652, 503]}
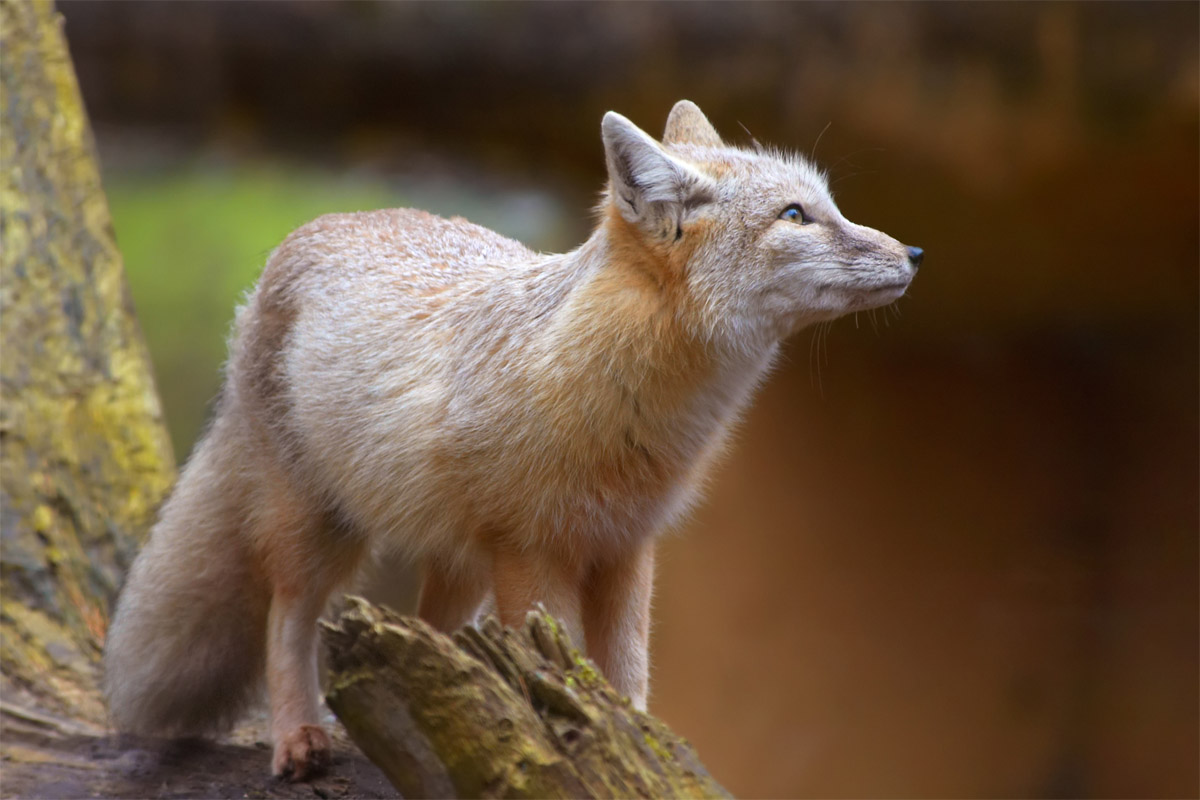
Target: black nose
{"type": "Point", "coordinates": [915, 254]}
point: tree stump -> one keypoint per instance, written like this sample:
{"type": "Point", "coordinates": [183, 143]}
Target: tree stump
{"type": "Point", "coordinates": [492, 712]}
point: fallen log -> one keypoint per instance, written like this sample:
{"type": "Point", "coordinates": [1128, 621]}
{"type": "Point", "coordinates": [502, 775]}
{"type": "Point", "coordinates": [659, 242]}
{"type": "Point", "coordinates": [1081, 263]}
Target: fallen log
{"type": "Point", "coordinates": [493, 712]}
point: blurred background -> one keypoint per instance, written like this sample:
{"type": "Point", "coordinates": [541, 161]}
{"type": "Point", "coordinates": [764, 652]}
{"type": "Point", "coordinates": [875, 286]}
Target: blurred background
{"type": "Point", "coordinates": [955, 550]}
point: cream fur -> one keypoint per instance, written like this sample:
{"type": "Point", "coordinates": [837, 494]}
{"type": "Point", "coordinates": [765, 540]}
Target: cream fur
{"type": "Point", "coordinates": [511, 420]}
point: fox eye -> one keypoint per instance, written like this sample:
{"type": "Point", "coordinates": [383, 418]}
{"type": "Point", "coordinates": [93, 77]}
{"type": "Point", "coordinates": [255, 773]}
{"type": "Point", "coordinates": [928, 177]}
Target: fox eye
{"type": "Point", "coordinates": [795, 213]}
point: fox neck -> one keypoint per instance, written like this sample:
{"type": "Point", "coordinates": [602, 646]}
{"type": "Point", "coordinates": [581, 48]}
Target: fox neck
{"type": "Point", "coordinates": [633, 322]}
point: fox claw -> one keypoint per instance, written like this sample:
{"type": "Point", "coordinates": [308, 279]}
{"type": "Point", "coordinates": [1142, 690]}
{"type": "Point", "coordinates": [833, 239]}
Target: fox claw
{"type": "Point", "coordinates": [302, 754]}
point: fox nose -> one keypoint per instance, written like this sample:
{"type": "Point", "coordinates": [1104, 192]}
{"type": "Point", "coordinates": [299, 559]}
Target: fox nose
{"type": "Point", "coordinates": [915, 255]}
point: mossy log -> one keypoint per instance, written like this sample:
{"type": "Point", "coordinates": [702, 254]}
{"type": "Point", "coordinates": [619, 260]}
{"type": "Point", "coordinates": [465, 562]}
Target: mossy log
{"type": "Point", "coordinates": [492, 712]}
{"type": "Point", "coordinates": [84, 456]}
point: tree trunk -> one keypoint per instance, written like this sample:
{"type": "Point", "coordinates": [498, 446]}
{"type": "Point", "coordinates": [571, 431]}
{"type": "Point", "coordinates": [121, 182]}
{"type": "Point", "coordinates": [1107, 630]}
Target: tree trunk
{"type": "Point", "coordinates": [84, 457]}
{"type": "Point", "coordinates": [496, 713]}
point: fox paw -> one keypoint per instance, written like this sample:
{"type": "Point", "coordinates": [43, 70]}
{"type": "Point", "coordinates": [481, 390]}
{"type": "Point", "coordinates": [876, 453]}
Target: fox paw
{"type": "Point", "coordinates": [302, 754]}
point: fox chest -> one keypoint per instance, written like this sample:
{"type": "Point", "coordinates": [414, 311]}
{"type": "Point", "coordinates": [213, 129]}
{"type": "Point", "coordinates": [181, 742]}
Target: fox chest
{"type": "Point", "coordinates": [584, 484]}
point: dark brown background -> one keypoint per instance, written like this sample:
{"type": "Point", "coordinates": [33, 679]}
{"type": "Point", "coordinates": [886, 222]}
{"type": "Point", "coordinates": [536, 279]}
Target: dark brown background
{"type": "Point", "coordinates": [957, 557]}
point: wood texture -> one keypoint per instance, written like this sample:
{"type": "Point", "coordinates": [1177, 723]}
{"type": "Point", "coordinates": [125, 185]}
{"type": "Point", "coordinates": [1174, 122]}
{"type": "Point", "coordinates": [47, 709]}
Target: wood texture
{"type": "Point", "coordinates": [494, 712]}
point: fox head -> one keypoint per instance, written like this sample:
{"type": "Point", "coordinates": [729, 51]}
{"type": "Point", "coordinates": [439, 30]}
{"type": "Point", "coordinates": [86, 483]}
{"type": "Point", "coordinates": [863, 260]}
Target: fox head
{"type": "Point", "coordinates": [752, 238]}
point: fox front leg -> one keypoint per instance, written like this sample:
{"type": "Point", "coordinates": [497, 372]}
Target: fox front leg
{"type": "Point", "coordinates": [616, 620]}
{"type": "Point", "coordinates": [524, 577]}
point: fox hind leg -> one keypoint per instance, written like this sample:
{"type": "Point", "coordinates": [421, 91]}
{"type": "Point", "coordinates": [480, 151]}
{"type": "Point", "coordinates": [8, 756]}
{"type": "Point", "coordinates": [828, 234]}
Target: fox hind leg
{"type": "Point", "coordinates": [306, 554]}
{"type": "Point", "coordinates": [302, 747]}
{"type": "Point", "coordinates": [451, 596]}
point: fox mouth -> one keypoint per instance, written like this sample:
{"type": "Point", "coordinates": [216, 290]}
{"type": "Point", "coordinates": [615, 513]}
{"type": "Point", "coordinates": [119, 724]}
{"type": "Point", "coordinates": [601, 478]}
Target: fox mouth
{"type": "Point", "coordinates": [894, 286]}
{"type": "Point", "coordinates": [881, 293]}
{"type": "Point", "coordinates": [865, 285]}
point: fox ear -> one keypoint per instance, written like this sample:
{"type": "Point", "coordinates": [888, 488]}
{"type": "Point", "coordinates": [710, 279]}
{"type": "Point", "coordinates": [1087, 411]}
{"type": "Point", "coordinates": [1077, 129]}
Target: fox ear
{"type": "Point", "coordinates": [687, 124]}
{"type": "Point", "coordinates": [651, 188]}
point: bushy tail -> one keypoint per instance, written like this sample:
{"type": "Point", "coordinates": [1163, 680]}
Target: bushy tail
{"type": "Point", "coordinates": [185, 650]}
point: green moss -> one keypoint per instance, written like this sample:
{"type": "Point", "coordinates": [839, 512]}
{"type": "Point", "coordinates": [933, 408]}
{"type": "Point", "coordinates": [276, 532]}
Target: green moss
{"type": "Point", "coordinates": [585, 672]}
{"type": "Point", "coordinates": [654, 744]}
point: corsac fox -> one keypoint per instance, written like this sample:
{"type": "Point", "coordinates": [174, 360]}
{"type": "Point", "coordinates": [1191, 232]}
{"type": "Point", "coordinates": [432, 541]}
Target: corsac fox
{"type": "Point", "coordinates": [522, 425]}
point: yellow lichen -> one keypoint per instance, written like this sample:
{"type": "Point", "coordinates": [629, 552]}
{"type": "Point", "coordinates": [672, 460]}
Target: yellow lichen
{"type": "Point", "coordinates": [42, 518]}
{"type": "Point", "coordinates": [656, 746]}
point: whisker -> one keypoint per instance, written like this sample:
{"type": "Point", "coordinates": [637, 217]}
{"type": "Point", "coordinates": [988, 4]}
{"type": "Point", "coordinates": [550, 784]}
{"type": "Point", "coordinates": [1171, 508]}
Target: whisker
{"type": "Point", "coordinates": [821, 330]}
{"type": "Point", "coordinates": [820, 341]}
{"type": "Point", "coordinates": [816, 353]}
{"type": "Point", "coordinates": [758, 148]}
{"type": "Point", "coordinates": [813, 155]}
{"type": "Point", "coordinates": [825, 340]}
{"type": "Point", "coordinates": [848, 175]}
{"type": "Point", "coordinates": [812, 343]}
{"type": "Point", "coordinates": [854, 153]}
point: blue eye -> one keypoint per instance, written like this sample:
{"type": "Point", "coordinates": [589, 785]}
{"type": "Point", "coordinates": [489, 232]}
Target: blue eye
{"type": "Point", "coordinates": [795, 213]}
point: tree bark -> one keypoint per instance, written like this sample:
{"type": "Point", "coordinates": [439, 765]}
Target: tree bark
{"type": "Point", "coordinates": [492, 712]}
{"type": "Point", "coordinates": [84, 457]}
